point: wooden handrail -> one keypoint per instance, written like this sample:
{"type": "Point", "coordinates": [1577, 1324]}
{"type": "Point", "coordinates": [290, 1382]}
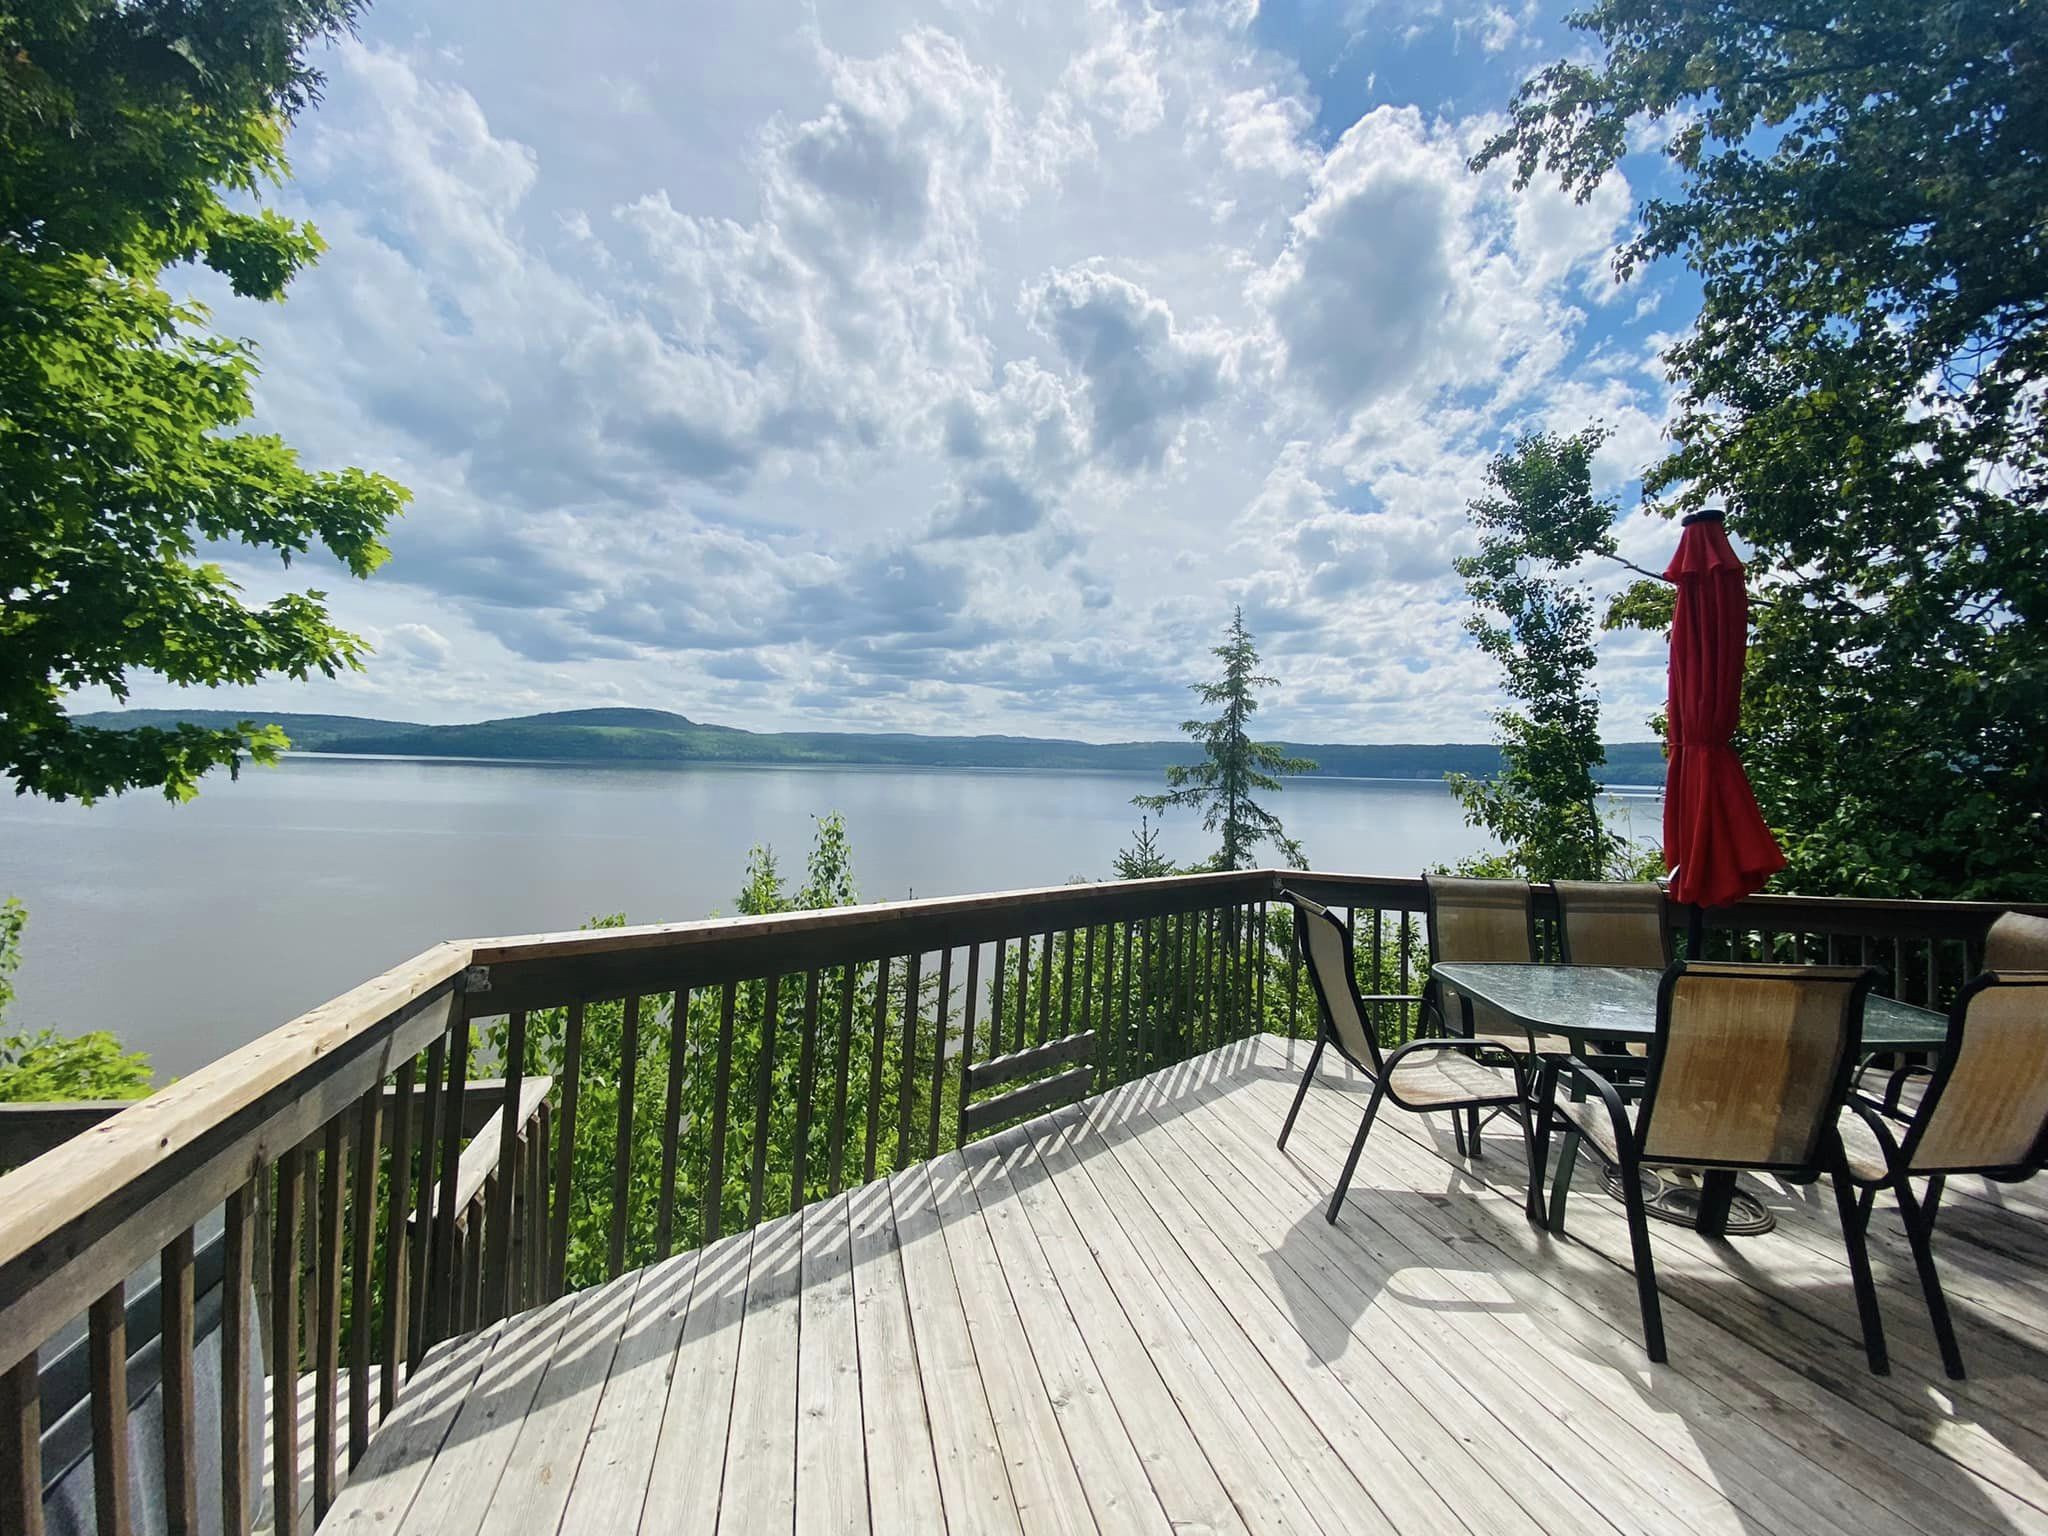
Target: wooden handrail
{"type": "Point", "coordinates": [481, 1157]}
{"type": "Point", "coordinates": [28, 1130]}
{"type": "Point", "coordinates": [71, 1224]}
{"type": "Point", "coordinates": [545, 970]}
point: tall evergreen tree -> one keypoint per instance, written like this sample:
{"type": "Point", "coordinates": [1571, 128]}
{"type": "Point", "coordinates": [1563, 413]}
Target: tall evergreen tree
{"type": "Point", "coordinates": [1537, 622]}
{"type": "Point", "coordinates": [1233, 767]}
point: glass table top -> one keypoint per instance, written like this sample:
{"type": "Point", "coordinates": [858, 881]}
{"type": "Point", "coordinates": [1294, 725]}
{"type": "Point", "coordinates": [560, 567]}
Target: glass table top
{"type": "Point", "coordinates": [1616, 1003]}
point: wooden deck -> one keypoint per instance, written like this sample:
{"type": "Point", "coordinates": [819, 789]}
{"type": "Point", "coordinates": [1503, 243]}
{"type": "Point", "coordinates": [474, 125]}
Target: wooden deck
{"type": "Point", "coordinates": [1132, 1316]}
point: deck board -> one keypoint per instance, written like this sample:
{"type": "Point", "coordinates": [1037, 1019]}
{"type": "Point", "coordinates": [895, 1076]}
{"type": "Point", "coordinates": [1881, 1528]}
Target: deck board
{"type": "Point", "coordinates": [1131, 1315]}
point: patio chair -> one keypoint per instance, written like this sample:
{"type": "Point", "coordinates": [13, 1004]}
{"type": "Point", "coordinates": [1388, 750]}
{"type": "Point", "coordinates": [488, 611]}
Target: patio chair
{"type": "Point", "coordinates": [1422, 1076]}
{"type": "Point", "coordinates": [1984, 1111]}
{"type": "Point", "coordinates": [1605, 922]}
{"type": "Point", "coordinates": [1749, 1070]}
{"type": "Point", "coordinates": [2016, 942]}
{"type": "Point", "coordinates": [1481, 921]}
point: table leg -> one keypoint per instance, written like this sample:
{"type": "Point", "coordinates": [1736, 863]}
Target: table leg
{"type": "Point", "coordinates": [1561, 1186]}
{"type": "Point", "coordinates": [1717, 1193]}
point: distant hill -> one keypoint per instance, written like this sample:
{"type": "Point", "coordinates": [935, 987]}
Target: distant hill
{"type": "Point", "coordinates": [656, 736]}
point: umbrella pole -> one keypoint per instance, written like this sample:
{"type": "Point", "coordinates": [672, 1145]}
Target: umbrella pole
{"type": "Point", "coordinates": [1696, 933]}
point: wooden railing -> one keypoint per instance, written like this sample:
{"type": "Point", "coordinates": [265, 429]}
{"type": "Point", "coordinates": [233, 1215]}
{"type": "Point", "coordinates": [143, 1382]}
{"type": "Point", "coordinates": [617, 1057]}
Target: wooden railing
{"type": "Point", "coordinates": [674, 1083]}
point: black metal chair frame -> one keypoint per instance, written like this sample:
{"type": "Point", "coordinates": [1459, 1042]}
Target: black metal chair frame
{"type": "Point", "coordinates": [1595, 1077]}
{"type": "Point", "coordinates": [1917, 1212]}
{"type": "Point", "coordinates": [1380, 1068]}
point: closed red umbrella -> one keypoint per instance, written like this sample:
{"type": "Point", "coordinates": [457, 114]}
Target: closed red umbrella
{"type": "Point", "coordinates": [1715, 840]}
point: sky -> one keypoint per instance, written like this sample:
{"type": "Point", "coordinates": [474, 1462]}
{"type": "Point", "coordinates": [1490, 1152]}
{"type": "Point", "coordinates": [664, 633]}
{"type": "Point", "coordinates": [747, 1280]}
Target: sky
{"type": "Point", "coordinates": [943, 367]}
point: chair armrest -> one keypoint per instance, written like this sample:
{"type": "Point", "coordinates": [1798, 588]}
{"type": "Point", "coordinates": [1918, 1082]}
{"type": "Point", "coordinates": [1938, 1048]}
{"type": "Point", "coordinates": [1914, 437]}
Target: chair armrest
{"type": "Point", "coordinates": [1614, 1066]}
{"type": "Point", "coordinates": [1582, 1075]}
{"type": "Point", "coordinates": [1889, 1102]}
{"type": "Point", "coordinates": [1874, 1117]}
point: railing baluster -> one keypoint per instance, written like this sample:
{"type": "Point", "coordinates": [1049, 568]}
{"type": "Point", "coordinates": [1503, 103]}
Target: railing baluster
{"type": "Point", "coordinates": [1294, 977]}
{"type": "Point", "coordinates": [417, 1331]}
{"type": "Point", "coordinates": [369, 1140]}
{"type": "Point", "coordinates": [180, 1399]}
{"type": "Point", "coordinates": [446, 1281]}
{"type": "Point", "coordinates": [535, 1199]}
{"type": "Point", "coordinates": [284, 1342]}
{"type": "Point", "coordinates": [21, 1448]}
{"type": "Point", "coordinates": [1230, 1019]}
{"type": "Point", "coordinates": [1409, 1024]}
{"type": "Point", "coordinates": [1088, 993]}
{"type": "Point", "coordinates": [764, 1097]}
{"type": "Point", "coordinates": [967, 1034]}
{"type": "Point", "coordinates": [907, 1074]}
{"type": "Point", "coordinates": [1377, 981]}
{"type": "Point", "coordinates": [333, 1194]}
{"type": "Point", "coordinates": [1067, 984]}
{"type": "Point", "coordinates": [398, 1188]}
{"type": "Point", "coordinates": [1023, 1005]}
{"type": "Point", "coordinates": [1146, 1024]}
{"type": "Point", "coordinates": [1046, 989]}
{"type": "Point", "coordinates": [565, 1152]}
{"type": "Point", "coordinates": [1258, 986]}
{"type": "Point", "coordinates": [806, 1086]}
{"type": "Point", "coordinates": [877, 1034]}
{"type": "Point", "coordinates": [237, 1273]}
{"type": "Point", "coordinates": [1222, 932]}
{"type": "Point", "coordinates": [622, 1167]}
{"type": "Point", "coordinates": [672, 1115]}
{"type": "Point", "coordinates": [721, 1096]}
{"type": "Point", "coordinates": [499, 1281]}
{"type": "Point", "coordinates": [107, 1325]}
{"type": "Point", "coordinates": [995, 1012]}
{"type": "Point", "coordinates": [478, 1224]}
{"type": "Point", "coordinates": [526, 1152]}
{"type": "Point", "coordinates": [1123, 1045]}
{"type": "Point", "coordinates": [941, 1017]}
{"type": "Point", "coordinates": [841, 1070]}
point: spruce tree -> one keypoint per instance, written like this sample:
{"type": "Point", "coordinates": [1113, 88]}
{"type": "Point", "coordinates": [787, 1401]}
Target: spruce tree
{"type": "Point", "coordinates": [1233, 767]}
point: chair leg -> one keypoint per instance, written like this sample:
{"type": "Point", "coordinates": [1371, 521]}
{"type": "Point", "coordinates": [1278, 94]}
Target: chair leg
{"type": "Point", "coordinates": [1859, 1264]}
{"type": "Point", "coordinates": [1646, 1269]}
{"type": "Point", "coordinates": [1458, 1129]}
{"type": "Point", "coordinates": [1472, 1136]}
{"type": "Point", "coordinates": [1931, 1201]}
{"type": "Point", "coordinates": [1372, 1108]}
{"type": "Point", "coordinates": [1315, 1058]}
{"type": "Point", "coordinates": [1561, 1186]}
{"type": "Point", "coordinates": [1919, 1219]}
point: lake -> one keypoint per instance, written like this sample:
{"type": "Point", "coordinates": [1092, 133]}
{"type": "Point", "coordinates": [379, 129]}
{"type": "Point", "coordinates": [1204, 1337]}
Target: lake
{"type": "Point", "coordinates": [191, 929]}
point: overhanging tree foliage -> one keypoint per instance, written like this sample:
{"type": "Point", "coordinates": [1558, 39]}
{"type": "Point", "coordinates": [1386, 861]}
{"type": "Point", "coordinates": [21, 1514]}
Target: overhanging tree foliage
{"type": "Point", "coordinates": [1859, 192]}
{"type": "Point", "coordinates": [1234, 768]}
{"type": "Point", "coordinates": [1533, 618]}
{"type": "Point", "coordinates": [134, 136]}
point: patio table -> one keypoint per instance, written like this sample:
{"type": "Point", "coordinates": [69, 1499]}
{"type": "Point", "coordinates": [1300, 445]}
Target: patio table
{"type": "Point", "coordinates": [1618, 1005]}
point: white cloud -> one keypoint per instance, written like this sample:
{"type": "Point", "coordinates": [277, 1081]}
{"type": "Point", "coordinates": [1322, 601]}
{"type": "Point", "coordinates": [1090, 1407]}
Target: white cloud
{"type": "Point", "coordinates": [943, 368]}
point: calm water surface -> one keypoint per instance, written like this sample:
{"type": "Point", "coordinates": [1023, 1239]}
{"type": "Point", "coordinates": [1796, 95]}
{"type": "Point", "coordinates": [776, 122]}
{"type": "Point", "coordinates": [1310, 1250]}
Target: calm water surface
{"type": "Point", "coordinates": [191, 929]}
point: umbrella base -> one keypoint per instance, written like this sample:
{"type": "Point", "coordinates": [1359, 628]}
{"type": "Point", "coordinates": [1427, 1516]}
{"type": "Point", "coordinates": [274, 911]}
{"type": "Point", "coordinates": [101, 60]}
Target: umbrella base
{"type": "Point", "coordinates": [1669, 1195]}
